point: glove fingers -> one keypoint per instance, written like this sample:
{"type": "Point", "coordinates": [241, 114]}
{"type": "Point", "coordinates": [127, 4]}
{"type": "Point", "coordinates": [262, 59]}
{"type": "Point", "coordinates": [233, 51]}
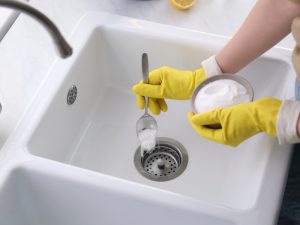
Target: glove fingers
{"type": "Point", "coordinates": [153, 91]}
{"type": "Point", "coordinates": [211, 134]}
{"type": "Point", "coordinates": [155, 77]}
{"type": "Point", "coordinates": [154, 106]}
{"type": "Point", "coordinates": [190, 116]}
{"type": "Point", "coordinates": [162, 104]}
{"type": "Point", "coordinates": [140, 100]}
{"type": "Point", "coordinates": [206, 118]}
{"type": "Point", "coordinates": [206, 132]}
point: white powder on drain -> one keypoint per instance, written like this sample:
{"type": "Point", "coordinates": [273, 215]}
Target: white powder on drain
{"type": "Point", "coordinates": [147, 138]}
{"type": "Point", "coordinates": [219, 94]}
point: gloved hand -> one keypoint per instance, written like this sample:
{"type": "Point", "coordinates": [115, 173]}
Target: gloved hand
{"type": "Point", "coordinates": [238, 122]}
{"type": "Point", "coordinates": [166, 82]}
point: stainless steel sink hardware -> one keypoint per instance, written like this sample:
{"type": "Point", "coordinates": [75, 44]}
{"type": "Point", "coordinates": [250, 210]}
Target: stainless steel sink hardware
{"type": "Point", "coordinates": [146, 122]}
{"type": "Point", "coordinates": [72, 95]}
{"type": "Point", "coordinates": [167, 161]}
{"type": "Point", "coordinates": [64, 48]}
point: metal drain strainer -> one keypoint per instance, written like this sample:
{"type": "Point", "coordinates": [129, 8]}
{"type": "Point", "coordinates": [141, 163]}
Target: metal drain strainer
{"type": "Point", "coordinates": [167, 161]}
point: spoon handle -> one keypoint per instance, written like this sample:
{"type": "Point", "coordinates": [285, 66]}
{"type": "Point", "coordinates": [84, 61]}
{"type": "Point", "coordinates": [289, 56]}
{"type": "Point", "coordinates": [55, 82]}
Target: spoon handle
{"type": "Point", "coordinates": [145, 69]}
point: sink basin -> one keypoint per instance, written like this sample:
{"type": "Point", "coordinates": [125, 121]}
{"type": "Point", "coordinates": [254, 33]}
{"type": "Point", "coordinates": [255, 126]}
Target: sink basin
{"type": "Point", "coordinates": [85, 150]}
{"type": "Point", "coordinates": [32, 195]}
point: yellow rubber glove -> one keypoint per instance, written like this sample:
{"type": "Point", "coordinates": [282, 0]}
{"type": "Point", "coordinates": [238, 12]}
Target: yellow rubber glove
{"type": "Point", "coordinates": [166, 82]}
{"type": "Point", "coordinates": [239, 122]}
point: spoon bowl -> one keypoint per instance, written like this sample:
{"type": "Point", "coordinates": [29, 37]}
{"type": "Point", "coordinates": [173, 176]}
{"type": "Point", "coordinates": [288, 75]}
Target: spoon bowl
{"type": "Point", "coordinates": [145, 122]}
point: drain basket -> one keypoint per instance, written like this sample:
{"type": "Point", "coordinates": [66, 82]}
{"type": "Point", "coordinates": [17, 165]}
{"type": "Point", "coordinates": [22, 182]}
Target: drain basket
{"type": "Point", "coordinates": [167, 160]}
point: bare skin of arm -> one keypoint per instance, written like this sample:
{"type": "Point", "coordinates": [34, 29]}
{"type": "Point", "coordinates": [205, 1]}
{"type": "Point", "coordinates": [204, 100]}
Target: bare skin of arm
{"type": "Point", "coordinates": [268, 23]}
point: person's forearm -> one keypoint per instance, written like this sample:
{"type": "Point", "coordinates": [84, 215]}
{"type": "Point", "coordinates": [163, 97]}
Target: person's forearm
{"type": "Point", "coordinates": [268, 22]}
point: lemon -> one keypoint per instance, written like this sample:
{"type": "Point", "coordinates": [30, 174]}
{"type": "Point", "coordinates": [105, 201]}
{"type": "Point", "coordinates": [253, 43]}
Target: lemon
{"type": "Point", "coordinates": [182, 4]}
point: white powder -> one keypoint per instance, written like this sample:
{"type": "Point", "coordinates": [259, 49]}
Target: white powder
{"type": "Point", "coordinates": [219, 94]}
{"type": "Point", "coordinates": [148, 139]}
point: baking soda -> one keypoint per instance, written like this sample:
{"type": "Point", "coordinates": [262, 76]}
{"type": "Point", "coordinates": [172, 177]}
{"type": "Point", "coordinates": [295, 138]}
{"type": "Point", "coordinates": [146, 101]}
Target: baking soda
{"type": "Point", "coordinates": [219, 94]}
{"type": "Point", "coordinates": [147, 138]}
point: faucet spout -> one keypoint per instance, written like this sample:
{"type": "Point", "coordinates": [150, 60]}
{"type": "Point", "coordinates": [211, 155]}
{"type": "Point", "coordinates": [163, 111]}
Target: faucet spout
{"type": "Point", "coordinates": [64, 48]}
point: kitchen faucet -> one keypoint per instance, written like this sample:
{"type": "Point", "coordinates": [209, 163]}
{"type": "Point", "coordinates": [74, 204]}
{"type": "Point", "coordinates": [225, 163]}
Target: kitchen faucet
{"type": "Point", "coordinates": [64, 48]}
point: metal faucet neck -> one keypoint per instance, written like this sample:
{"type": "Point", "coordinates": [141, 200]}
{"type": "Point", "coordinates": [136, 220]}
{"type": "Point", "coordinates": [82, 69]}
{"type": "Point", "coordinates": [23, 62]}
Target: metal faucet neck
{"type": "Point", "coordinates": [65, 50]}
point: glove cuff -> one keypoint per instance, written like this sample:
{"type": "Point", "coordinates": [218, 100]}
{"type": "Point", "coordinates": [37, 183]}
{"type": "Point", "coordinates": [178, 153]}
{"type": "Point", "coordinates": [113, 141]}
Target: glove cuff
{"type": "Point", "coordinates": [211, 66]}
{"type": "Point", "coordinates": [287, 122]}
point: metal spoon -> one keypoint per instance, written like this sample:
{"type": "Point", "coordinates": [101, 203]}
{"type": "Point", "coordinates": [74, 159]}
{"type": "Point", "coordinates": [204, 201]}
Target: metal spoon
{"type": "Point", "coordinates": [146, 122]}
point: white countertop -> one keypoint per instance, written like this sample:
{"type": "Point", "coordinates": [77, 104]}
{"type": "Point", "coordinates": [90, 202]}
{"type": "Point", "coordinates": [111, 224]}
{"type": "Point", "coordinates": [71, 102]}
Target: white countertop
{"type": "Point", "coordinates": [27, 51]}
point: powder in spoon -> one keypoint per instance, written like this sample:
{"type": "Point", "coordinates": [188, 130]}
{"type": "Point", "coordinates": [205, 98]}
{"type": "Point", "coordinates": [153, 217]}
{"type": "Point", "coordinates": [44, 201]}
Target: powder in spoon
{"type": "Point", "coordinates": [219, 94]}
{"type": "Point", "coordinates": [147, 138]}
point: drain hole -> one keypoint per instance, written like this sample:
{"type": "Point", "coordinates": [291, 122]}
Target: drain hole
{"type": "Point", "coordinates": [72, 95]}
{"type": "Point", "coordinates": [167, 161]}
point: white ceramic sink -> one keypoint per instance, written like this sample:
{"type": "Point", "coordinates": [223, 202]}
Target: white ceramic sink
{"type": "Point", "coordinates": [83, 153]}
{"type": "Point", "coordinates": [7, 18]}
{"type": "Point", "coordinates": [33, 195]}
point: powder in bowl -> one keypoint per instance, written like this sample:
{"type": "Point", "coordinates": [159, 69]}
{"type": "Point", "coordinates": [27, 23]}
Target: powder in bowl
{"type": "Point", "coordinates": [219, 94]}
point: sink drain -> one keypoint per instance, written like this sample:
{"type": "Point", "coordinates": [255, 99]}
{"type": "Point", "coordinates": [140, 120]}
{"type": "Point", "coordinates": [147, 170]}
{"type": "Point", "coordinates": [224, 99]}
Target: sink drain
{"type": "Point", "coordinates": [72, 95]}
{"type": "Point", "coordinates": [167, 161]}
